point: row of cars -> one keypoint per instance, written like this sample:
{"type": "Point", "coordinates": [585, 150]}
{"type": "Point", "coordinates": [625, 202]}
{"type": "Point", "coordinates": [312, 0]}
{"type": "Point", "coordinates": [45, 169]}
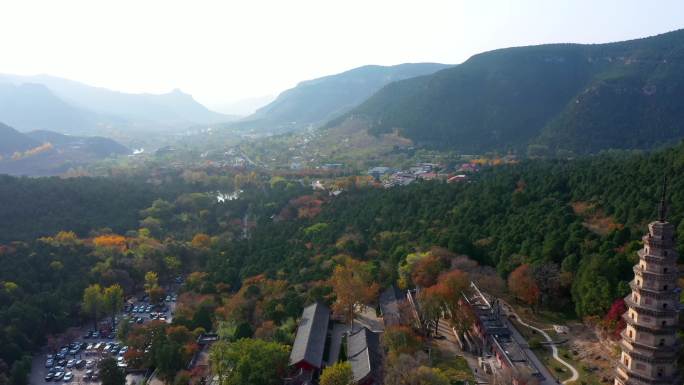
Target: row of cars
{"type": "Point", "coordinates": [135, 313]}
{"type": "Point", "coordinates": [69, 364]}
{"type": "Point", "coordinates": [61, 372]}
{"type": "Point", "coordinates": [100, 348]}
{"type": "Point", "coordinates": [99, 334]}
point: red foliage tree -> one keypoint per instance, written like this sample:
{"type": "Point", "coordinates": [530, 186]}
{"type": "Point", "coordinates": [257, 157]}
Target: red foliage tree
{"type": "Point", "coordinates": [522, 284]}
{"type": "Point", "coordinates": [613, 321]}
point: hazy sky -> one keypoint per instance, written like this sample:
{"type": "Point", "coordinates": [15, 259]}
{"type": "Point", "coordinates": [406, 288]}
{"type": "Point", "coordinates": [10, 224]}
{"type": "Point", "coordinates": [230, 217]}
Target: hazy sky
{"type": "Point", "coordinates": [226, 50]}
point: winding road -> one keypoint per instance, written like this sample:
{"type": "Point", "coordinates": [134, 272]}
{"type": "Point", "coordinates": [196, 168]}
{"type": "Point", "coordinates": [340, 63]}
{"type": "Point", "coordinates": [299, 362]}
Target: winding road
{"type": "Point", "coordinates": [554, 349]}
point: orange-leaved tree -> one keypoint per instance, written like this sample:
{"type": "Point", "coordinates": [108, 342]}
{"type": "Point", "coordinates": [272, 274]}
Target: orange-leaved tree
{"type": "Point", "coordinates": [522, 284]}
{"type": "Point", "coordinates": [353, 285]}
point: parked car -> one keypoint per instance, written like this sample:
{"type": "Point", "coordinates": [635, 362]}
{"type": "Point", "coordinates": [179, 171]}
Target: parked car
{"type": "Point", "coordinates": [80, 364]}
{"type": "Point", "coordinates": [58, 376]}
{"type": "Point", "coordinates": [120, 362]}
{"type": "Point", "coordinates": [68, 377]}
{"type": "Point", "coordinates": [49, 376]}
{"type": "Point", "coordinates": [95, 376]}
{"type": "Point", "coordinates": [88, 374]}
{"type": "Point", "coordinates": [89, 364]}
{"type": "Point", "coordinates": [49, 363]}
{"type": "Point", "coordinates": [70, 364]}
{"type": "Point", "coordinates": [62, 362]}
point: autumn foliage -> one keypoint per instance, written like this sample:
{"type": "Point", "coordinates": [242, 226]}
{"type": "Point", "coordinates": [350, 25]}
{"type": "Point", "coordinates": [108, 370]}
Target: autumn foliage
{"type": "Point", "coordinates": [400, 339]}
{"type": "Point", "coordinates": [201, 241]}
{"type": "Point", "coordinates": [522, 284]}
{"type": "Point", "coordinates": [306, 206]}
{"type": "Point", "coordinates": [427, 269]}
{"type": "Point", "coordinates": [613, 322]}
{"type": "Point", "coordinates": [353, 285]}
{"type": "Point", "coordinates": [112, 241]}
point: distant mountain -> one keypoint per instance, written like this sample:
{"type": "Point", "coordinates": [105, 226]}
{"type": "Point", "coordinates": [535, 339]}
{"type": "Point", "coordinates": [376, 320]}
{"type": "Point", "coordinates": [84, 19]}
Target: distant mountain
{"type": "Point", "coordinates": [33, 106]}
{"type": "Point", "coordinates": [546, 99]}
{"type": "Point", "coordinates": [12, 140]}
{"type": "Point", "coordinates": [40, 153]}
{"type": "Point", "coordinates": [72, 106]}
{"type": "Point", "coordinates": [316, 101]}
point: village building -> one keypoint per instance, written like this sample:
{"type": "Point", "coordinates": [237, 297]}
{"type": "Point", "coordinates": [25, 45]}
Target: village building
{"type": "Point", "coordinates": [492, 336]}
{"type": "Point", "coordinates": [649, 342]}
{"type": "Point", "coordinates": [306, 357]}
{"type": "Point", "coordinates": [379, 172]}
{"type": "Point", "coordinates": [321, 341]}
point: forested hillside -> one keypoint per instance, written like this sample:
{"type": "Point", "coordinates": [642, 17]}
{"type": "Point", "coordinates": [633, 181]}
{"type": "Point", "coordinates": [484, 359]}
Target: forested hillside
{"type": "Point", "coordinates": [45, 153]}
{"type": "Point", "coordinates": [316, 101]}
{"type": "Point", "coordinates": [548, 99]}
{"type": "Point", "coordinates": [12, 140]}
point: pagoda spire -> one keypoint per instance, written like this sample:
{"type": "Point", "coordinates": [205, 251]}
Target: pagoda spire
{"type": "Point", "coordinates": [662, 207]}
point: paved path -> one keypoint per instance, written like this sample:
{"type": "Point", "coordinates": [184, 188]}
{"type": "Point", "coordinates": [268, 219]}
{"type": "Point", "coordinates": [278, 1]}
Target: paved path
{"type": "Point", "coordinates": [554, 349]}
{"type": "Point", "coordinates": [451, 344]}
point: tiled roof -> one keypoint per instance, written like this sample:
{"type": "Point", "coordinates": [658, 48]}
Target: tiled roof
{"type": "Point", "coordinates": [363, 355]}
{"type": "Point", "coordinates": [309, 343]}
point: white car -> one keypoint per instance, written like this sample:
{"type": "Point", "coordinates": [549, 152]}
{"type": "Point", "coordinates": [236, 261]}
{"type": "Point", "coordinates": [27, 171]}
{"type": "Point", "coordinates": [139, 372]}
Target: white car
{"type": "Point", "coordinates": [68, 377]}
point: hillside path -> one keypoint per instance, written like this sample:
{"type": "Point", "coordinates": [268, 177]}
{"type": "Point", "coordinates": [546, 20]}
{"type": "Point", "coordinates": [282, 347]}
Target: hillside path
{"type": "Point", "coordinates": [554, 349]}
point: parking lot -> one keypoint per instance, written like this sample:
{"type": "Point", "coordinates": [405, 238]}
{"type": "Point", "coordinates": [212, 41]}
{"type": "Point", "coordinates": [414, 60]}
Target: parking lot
{"type": "Point", "coordinates": [76, 361]}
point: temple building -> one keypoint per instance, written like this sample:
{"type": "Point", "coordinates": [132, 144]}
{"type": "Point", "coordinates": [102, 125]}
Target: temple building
{"type": "Point", "coordinates": [649, 342]}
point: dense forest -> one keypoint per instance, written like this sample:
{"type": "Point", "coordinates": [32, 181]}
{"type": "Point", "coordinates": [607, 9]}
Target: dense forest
{"type": "Point", "coordinates": [252, 262]}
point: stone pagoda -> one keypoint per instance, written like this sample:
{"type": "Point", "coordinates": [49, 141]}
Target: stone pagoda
{"type": "Point", "coordinates": [649, 342]}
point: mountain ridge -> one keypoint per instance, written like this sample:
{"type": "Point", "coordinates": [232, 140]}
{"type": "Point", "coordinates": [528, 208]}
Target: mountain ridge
{"type": "Point", "coordinates": [315, 101]}
{"type": "Point", "coordinates": [541, 99]}
{"type": "Point", "coordinates": [91, 106]}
